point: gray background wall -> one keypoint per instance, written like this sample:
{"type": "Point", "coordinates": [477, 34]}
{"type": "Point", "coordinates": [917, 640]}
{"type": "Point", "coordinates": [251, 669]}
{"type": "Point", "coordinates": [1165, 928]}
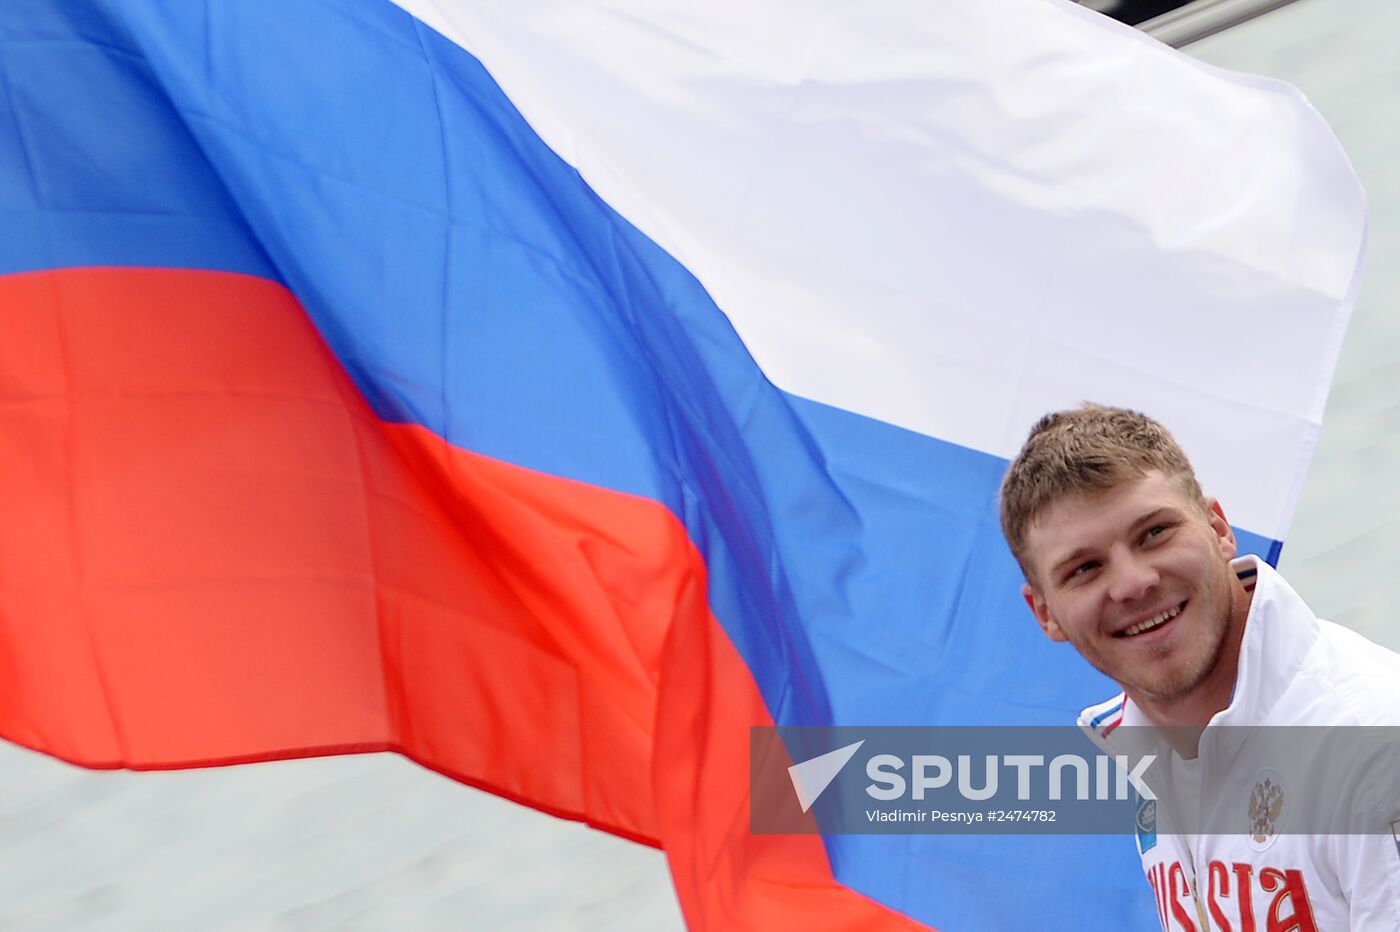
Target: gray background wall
{"type": "Point", "coordinates": [375, 842]}
{"type": "Point", "coordinates": [1344, 548]}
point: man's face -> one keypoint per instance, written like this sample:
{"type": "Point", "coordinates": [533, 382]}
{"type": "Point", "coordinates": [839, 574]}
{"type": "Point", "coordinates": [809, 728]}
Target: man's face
{"type": "Point", "coordinates": [1138, 579]}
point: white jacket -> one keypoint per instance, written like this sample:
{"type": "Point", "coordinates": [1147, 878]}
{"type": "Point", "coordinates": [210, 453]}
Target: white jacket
{"type": "Point", "coordinates": [1295, 669]}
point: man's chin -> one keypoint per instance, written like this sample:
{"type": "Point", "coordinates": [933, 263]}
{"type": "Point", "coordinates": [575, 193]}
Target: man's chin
{"type": "Point", "coordinates": [1164, 691]}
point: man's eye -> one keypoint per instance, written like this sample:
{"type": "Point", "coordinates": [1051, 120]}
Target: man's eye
{"type": "Point", "coordinates": [1084, 569]}
{"type": "Point", "coordinates": [1156, 531]}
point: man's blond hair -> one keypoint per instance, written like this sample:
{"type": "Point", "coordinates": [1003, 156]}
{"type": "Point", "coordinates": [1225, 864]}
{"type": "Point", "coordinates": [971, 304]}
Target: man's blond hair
{"type": "Point", "coordinates": [1082, 451]}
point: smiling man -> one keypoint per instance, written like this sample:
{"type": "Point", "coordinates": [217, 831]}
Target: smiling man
{"type": "Point", "coordinates": [1126, 559]}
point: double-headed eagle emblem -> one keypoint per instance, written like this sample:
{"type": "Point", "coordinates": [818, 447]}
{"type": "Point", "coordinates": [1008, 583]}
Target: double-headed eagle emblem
{"type": "Point", "coordinates": [1265, 807]}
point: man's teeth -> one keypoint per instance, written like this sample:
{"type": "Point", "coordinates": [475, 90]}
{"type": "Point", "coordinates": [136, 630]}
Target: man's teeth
{"type": "Point", "coordinates": [1153, 622]}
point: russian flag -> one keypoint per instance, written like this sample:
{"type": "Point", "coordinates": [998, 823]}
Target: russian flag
{"type": "Point", "coordinates": [550, 391]}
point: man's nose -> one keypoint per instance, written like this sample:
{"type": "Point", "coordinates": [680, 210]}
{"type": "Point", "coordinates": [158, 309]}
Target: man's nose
{"type": "Point", "coordinates": [1130, 578]}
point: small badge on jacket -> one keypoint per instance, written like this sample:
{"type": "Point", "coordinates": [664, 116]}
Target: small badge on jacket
{"type": "Point", "coordinates": [1265, 810]}
{"type": "Point", "coordinates": [1147, 824]}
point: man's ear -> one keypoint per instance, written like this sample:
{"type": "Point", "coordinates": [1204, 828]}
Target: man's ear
{"type": "Point", "coordinates": [1225, 535]}
{"type": "Point", "coordinates": [1041, 611]}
